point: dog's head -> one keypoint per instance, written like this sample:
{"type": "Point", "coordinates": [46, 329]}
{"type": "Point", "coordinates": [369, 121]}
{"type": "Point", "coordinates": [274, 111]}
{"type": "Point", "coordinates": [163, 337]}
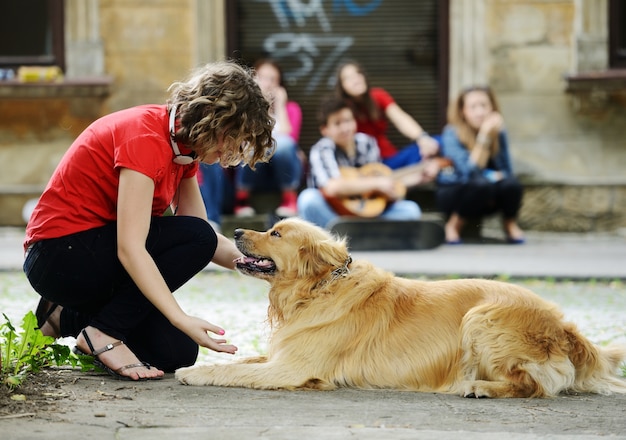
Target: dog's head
{"type": "Point", "coordinates": [291, 249]}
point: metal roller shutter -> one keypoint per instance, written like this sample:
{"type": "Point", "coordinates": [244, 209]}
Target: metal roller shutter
{"type": "Point", "coordinates": [396, 42]}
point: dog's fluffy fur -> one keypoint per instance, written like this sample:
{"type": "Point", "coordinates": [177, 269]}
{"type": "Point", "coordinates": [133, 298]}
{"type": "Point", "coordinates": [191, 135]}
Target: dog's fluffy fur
{"type": "Point", "coordinates": [338, 323]}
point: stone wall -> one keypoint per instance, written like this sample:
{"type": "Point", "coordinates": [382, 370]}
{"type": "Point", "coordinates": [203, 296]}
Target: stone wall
{"type": "Point", "coordinates": [547, 62]}
{"type": "Point", "coordinates": [148, 45]}
{"type": "Point", "coordinates": [38, 124]}
{"type": "Point", "coordinates": [119, 53]}
{"type": "Point", "coordinates": [530, 52]}
{"type": "Point", "coordinates": [573, 208]}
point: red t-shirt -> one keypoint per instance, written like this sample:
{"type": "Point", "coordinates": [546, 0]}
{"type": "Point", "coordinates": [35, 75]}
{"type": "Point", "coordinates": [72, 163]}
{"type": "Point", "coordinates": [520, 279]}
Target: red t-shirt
{"type": "Point", "coordinates": [82, 192]}
{"type": "Point", "coordinates": [378, 128]}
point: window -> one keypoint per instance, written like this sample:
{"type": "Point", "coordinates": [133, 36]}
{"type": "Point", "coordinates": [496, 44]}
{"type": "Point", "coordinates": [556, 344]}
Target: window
{"type": "Point", "coordinates": [617, 34]}
{"type": "Point", "coordinates": [31, 33]}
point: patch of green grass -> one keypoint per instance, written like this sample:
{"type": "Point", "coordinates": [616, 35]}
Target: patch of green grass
{"type": "Point", "coordinates": [27, 351]}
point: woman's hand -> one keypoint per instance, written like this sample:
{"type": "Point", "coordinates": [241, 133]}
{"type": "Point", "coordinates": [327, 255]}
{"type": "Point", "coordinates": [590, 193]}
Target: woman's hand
{"type": "Point", "coordinates": [279, 110]}
{"type": "Point", "coordinates": [492, 124]}
{"type": "Point", "coordinates": [431, 169]}
{"type": "Point", "coordinates": [279, 96]}
{"type": "Point", "coordinates": [198, 329]}
{"type": "Point", "coordinates": [385, 185]}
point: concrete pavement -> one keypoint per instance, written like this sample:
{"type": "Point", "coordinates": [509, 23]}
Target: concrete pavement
{"type": "Point", "coordinates": [544, 255]}
{"type": "Point", "coordinates": [105, 409]}
{"type": "Point", "coordinates": [99, 407]}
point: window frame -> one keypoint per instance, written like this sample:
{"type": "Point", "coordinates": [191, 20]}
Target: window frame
{"type": "Point", "coordinates": [617, 48]}
{"type": "Point", "coordinates": [56, 23]}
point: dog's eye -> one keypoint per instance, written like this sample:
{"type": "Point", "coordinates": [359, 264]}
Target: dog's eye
{"type": "Point", "coordinates": [275, 233]}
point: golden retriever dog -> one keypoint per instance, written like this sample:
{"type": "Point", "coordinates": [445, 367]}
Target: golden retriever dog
{"type": "Point", "coordinates": [342, 323]}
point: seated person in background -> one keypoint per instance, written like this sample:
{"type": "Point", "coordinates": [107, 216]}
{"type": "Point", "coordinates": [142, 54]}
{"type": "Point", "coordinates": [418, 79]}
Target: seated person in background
{"type": "Point", "coordinates": [284, 170]}
{"type": "Point", "coordinates": [373, 109]}
{"type": "Point", "coordinates": [341, 146]}
{"type": "Point", "coordinates": [213, 182]}
{"type": "Point", "coordinates": [482, 183]}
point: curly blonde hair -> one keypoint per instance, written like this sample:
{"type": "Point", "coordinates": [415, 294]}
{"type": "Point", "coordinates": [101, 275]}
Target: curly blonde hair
{"type": "Point", "coordinates": [222, 101]}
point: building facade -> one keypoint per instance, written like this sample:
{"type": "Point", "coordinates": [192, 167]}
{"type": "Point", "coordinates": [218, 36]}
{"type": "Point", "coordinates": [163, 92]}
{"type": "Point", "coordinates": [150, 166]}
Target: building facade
{"type": "Point", "coordinates": [556, 65]}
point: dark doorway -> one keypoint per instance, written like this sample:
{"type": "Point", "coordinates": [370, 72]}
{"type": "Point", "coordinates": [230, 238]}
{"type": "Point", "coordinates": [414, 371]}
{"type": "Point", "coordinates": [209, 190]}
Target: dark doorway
{"type": "Point", "coordinates": [403, 46]}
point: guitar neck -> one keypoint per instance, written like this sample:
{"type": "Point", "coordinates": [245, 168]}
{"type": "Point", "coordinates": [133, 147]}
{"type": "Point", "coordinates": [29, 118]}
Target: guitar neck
{"type": "Point", "coordinates": [401, 173]}
{"type": "Point", "coordinates": [411, 175]}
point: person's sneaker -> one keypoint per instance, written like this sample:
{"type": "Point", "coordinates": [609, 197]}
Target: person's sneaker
{"type": "Point", "coordinates": [289, 206]}
{"type": "Point", "coordinates": [244, 211]}
{"type": "Point", "coordinates": [242, 207]}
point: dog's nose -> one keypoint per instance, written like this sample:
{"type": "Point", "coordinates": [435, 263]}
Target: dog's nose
{"type": "Point", "coordinates": [238, 233]}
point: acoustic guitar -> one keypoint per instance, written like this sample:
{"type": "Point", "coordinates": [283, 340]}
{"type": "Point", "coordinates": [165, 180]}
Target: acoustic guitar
{"type": "Point", "coordinates": [374, 203]}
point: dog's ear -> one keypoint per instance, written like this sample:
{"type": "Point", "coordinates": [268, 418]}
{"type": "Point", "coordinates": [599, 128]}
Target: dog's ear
{"type": "Point", "coordinates": [321, 256]}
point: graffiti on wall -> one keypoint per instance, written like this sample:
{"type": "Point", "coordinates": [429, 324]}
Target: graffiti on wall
{"type": "Point", "coordinates": [313, 55]}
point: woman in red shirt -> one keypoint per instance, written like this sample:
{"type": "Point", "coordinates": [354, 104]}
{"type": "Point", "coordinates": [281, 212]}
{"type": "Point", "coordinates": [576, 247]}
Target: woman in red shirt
{"type": "Point", "coordinates": [99, 249]}
{"type": "Point", "coordinates": [374, 108]}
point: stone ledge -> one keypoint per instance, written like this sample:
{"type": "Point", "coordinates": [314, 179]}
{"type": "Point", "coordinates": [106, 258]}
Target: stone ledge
{"type": "Point", "coordinates": [606, 80]}
{"type": "Point", "coordinates": [21, 189]}
{"type": "Point", "coordinates": [573, 208]}
{"type": "Point", "coordinates": [573, 181]}
{"type": "Point", "coordinates": [69, 87]}
{"type": "Point", "coordinates": [555, 207]}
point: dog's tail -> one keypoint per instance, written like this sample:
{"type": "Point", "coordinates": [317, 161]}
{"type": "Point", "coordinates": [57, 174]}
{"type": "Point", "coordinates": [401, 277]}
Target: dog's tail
{"type": "Point", "coordinates": [597, 368]}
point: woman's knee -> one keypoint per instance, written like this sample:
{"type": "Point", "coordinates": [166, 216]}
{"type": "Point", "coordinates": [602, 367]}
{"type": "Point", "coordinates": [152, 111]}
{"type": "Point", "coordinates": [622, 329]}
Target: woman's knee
{"type": "Point", "coordinates": [200, 235]}
{"type": "Point", "coordinates": [286, 155]}
{"type": "Point", "coordinates": [511, 186]}
{"type": "Point", "coordinates": [177, 236]}
{"type": "Point", "coordinates": [312, 206]}
{"type": "Point", "coordinates": [163, 346]}
{"type": "Point", "coordinates": [446, 198]}
{"type": "Point", "coordinates": [477, 193]}
{"type": "Point", "coordinates": [285, 145]}
{"type": "Point", "coordinates": [309, 198]}
{"type": "Point", "coordinates": [185, 355]}
{"type": "Point", "coordinates": [205, 231]}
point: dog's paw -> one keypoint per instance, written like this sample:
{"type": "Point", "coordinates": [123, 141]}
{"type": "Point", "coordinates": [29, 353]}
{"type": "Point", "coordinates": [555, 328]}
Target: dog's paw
{"type": "Point", "coordinates": [195, 375]}
{"type": "Point", "coordinates": [474, 389]}
{"type": "Point", "coordinates": [495, 389]}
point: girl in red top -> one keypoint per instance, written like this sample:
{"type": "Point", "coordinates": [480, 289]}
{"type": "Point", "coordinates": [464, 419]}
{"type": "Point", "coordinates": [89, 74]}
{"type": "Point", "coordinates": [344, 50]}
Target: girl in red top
{"type": "Point", "coordinates": [99, 249]}
{"type": "Point", "coordinates": [374, 108]}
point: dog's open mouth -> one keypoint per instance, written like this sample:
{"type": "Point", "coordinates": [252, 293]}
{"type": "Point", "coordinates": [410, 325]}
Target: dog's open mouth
{"type": "Point", "coordinates": [252, 264]}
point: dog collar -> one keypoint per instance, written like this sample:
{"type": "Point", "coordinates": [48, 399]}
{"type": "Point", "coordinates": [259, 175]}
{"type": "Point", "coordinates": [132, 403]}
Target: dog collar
{"type": "Point", "coordinates": [341, 271]}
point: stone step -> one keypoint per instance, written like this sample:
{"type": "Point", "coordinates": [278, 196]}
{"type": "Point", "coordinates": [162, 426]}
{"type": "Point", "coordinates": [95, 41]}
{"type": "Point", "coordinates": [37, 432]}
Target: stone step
{"type": "Point", "coordinates": [262, 222]}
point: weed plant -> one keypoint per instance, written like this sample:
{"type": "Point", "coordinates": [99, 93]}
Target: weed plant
{"type": "Point", "coordinates": [27, 351]}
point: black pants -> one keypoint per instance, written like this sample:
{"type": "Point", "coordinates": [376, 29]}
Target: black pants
{"type": "Point", "coordinates": [479, 198]}
{"type": "Point", "coordinates": [82, 273]}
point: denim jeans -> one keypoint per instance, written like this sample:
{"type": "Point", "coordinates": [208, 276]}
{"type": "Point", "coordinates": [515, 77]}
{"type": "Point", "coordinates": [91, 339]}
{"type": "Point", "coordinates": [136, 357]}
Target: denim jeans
{"type": "Point", "coordinates": [283, 171]}
{"type": "Point", "coordinates": [213, 188]}
{"type": "Point", "coordinates": [82, 273]}
{"type": "Point", "coordinates": [409, 155]}
{"type": "Point", "coordinates": [312, 206]}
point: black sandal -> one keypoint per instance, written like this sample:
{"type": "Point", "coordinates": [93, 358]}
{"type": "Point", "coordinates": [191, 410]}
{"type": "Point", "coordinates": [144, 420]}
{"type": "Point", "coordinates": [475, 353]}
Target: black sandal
{"type": "Point", "coordinates": [45, 309]}
{"type": "Point", "coordinates": [115, 373]}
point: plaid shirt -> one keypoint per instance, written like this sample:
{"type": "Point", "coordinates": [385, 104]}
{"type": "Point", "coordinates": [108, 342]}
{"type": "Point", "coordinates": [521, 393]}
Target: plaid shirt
{"type": "Point", "coordinates": [326, 159]}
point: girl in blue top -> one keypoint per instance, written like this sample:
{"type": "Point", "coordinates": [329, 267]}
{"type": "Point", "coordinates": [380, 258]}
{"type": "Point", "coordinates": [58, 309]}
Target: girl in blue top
{"type": "Point", "coordinates": [482, 182]}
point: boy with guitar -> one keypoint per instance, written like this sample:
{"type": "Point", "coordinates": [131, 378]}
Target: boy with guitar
{"type": "Point", "coordinates": [347, 176]}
